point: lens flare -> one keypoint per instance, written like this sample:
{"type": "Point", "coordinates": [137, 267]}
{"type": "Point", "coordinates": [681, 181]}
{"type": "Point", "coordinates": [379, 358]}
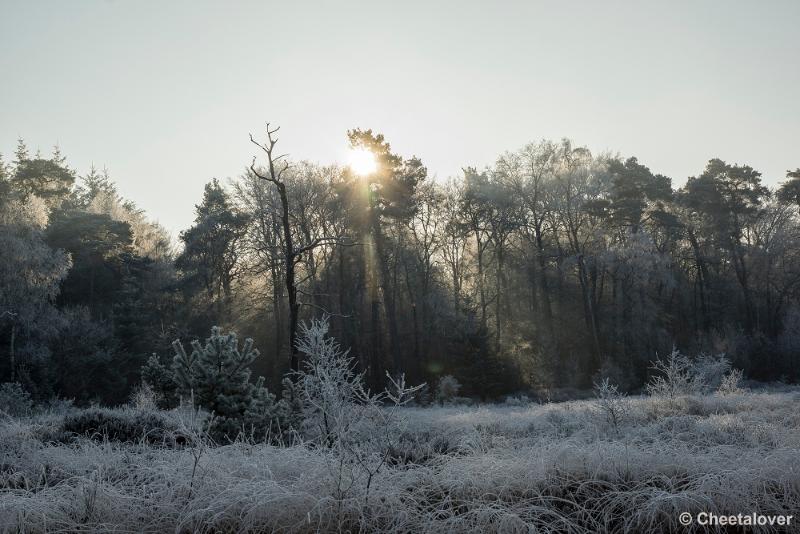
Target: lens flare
{"type": "Point", "coordinates": [362, 161]}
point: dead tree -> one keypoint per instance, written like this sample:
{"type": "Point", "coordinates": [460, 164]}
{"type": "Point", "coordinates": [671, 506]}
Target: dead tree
{"type": "Point", "coordinates": [292, 252]}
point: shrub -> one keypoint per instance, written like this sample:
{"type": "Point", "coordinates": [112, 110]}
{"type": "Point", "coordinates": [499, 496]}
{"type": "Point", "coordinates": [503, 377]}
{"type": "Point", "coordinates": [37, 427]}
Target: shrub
{"type": "Point", "coordinates": [360, 428]}
{"type": "Point", "coordinates": [520, 399]}
{"type": "Point", "coordinates": [614, 404]}
{"type": "Point", "coordinates": [676, 377]}
{"type": "Point", "coordinates": [731, 383]}
{"type": "Point", "coordinates": [145, 398]}
{"type": "Point", "coordinates": [447, 389]}
{"type": "Point", "coordinates": [14, 400]}
{"type": "Point", "coordinates": [710, 370]}
{"type": "Point", "coordinates": [123, 425]}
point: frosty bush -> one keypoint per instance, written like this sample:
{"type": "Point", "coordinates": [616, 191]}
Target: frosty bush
{"type": "Point", "coordinates": [710, 370]}
{"type": "Point", "coordinates": [612, 403]}
{"type": "Point", "coordinates": [676, 377]}
{"type": "Point", "coordinates": [520, 399]}
{"type": "Point", "coordinates": [731, 383]}
{"type": "Point", "coordinates": [360, 427]}
{"type": "Point", "coordinates": [217, 376]}
{"type": "Point", "coordinates": [144, 397]}
{"type": "Point", "coordinates": [14, 400]}
{"type": "Point", "coordinates": [447, 389]}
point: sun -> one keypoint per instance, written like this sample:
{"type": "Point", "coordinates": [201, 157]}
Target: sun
{"type": "Point", "coordinates": [362, 161]}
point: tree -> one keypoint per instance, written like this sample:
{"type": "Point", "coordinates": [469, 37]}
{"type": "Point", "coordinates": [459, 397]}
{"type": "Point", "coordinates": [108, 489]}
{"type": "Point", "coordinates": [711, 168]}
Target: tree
{"type": "Point", "coordinates": [729, 197]}
{"type": "Point", "coordinates": [31, 273]}
{"type": "Point", "coordinates": [293, 253]}
{"type": "Point", "coordinates": [211, 247]}
{"type": "Point", "coordinates": [633, 186]}
{"type": "Point", "coordinates": [789, 191]}
{"type": "Point", "coordinates": [98, 246]}
{"type": "Point", "coordinates": [48, 179]}
{"type": "Point", "coordinates": [217, 377]}
{"type": "Point", "coordinates": [390, 201]}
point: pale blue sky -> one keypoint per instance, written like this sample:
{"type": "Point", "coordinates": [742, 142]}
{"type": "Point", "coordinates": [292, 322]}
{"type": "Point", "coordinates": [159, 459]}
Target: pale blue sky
{"type": "Point", "coordinates": [165, 93]}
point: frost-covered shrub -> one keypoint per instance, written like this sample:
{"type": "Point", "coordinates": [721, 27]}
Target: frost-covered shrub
{"type": "Point", "coordinates": [676, 377]}
{"type": "Point", "coordinates": [124, 425]}
{"type": "Point", "coordinates": [14, 400]}
{"type": "Point", "coordinates": [731, 383]}
{"type": "Point", "coordinates": [217, 376]}
{"type": "Point", "coordinates": [57, 406]}
{"type": "Point", "coordinates": [359, 427]}
{"type": "Point", "coordinates": [447, 389]}
{"type": "Point", "coordinates": [711, 369]}
{"type": "Point", "coordinates": [614, 405]}
{"type": "Point", "coordinates": [144, 397]}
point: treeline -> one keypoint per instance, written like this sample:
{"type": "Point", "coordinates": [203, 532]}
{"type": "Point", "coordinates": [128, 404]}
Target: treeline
{"type": "Point", "coordinates": [87, 283]}
{"type": "Point", "coordinates": [550, 268]}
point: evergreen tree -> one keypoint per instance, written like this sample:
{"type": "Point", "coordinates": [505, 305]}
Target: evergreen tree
{"type": "Point", "coordinates": [217, 376]}
{"type": "Point", "coordinates": [790, 190]}
{"type": "Point", "coordinates": [210, 254]}
{"type": "Point", "coordinates": [48, 179]}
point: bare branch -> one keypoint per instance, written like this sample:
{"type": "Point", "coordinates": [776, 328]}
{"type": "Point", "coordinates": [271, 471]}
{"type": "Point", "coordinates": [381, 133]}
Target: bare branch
{"type": "Point", "coordinates": [323, 310]}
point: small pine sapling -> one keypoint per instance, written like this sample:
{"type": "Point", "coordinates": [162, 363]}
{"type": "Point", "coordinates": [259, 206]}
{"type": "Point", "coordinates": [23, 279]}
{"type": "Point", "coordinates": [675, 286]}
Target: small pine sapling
{"type": "Point", "coordinates": [217, 375]}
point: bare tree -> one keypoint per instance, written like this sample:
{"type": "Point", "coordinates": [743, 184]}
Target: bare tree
{"type": "Point", "coordinates": [293, 253]}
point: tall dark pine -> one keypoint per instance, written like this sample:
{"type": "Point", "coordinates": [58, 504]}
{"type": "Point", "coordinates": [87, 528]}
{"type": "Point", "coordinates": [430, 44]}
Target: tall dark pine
{"type": "Point", "coordinates": [210, 255]}
{"type": "Point", "coordinates": [390, 191]}
{"type": "Point", "coordinates": [729, 197]}
{"type": "Point", "coordinates": [790, 190]}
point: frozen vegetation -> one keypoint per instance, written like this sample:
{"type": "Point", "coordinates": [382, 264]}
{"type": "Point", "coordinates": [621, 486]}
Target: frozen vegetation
{"type": "Point", "coordinates": [579, 466]}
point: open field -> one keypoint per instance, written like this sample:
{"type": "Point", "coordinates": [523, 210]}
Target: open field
{"type": "Point", "coordinates": [565, 467]}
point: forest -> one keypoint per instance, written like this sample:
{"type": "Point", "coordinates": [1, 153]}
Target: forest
{"type": "Point", "coordinates": [561, 342]}
{"type": "Point", "coordinates": [541, 274]}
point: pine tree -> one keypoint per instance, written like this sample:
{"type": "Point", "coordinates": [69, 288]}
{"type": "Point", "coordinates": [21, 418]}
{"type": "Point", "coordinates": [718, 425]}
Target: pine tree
{"type": "Point", "coordinates": [217, 375]}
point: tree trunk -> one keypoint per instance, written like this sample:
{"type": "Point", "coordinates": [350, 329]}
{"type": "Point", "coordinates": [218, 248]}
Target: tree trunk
{"type": "Point", "coordinates": [291, 287]}
{"type": "Point", "coordinates": [386, 291]}
{"type": "Point", "coordinates": [544, 298]}
{"type": "Point", "coordinates": [11, 352]}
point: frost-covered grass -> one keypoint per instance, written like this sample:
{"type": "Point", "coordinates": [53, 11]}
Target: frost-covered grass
{"type": "Point", "coordinates": [538, 468]}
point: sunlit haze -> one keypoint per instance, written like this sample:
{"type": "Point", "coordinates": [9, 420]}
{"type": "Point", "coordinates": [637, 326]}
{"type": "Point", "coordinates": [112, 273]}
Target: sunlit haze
{"type": "Point", "coordinates": [165, 93]}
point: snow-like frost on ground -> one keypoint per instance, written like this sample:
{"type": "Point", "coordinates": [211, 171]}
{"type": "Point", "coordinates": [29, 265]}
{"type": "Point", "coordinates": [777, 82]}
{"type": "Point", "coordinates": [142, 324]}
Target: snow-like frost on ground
{"type": "Point", "coordinates": [537, 468]}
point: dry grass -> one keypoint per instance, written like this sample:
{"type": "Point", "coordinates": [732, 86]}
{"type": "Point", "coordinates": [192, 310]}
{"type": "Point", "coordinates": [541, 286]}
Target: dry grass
{"type": "Point", "coordinates": [539, 468]}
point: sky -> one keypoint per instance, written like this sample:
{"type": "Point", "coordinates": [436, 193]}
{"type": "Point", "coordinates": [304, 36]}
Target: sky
{"type": "Point", "coordinates": [164, 94]}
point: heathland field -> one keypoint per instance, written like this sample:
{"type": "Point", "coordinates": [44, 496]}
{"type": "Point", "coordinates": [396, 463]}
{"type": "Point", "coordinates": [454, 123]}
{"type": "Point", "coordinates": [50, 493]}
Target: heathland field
{"type": "Point", "coordinates": [611, 464]}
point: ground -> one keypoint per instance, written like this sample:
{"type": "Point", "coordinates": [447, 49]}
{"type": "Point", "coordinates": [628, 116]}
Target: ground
{"type": "Point", "coordinates": [556, 467]}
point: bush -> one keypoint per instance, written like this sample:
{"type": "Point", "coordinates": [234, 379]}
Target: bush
{"type": "Point", "coordinates": [614, 405]}
{"type": "Point", "coordinates": [731, 383]}
{"type": "Point", "coordinates": [123, 425]}
{"type": "Point", "coordinates": [14, 400]}
{"type": "Point", "coordinates": [360, 428]}
{"type": "Point", "coordinates": [520, 399]}
{"type": "Point", "coordinates": [710, 370]}
{"type": "Point", "coordinates": [676, 377]}
{"type": "Point", "coordinates": [145, 398]}
{"type": "Point", "coordinates": [447, 389]}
